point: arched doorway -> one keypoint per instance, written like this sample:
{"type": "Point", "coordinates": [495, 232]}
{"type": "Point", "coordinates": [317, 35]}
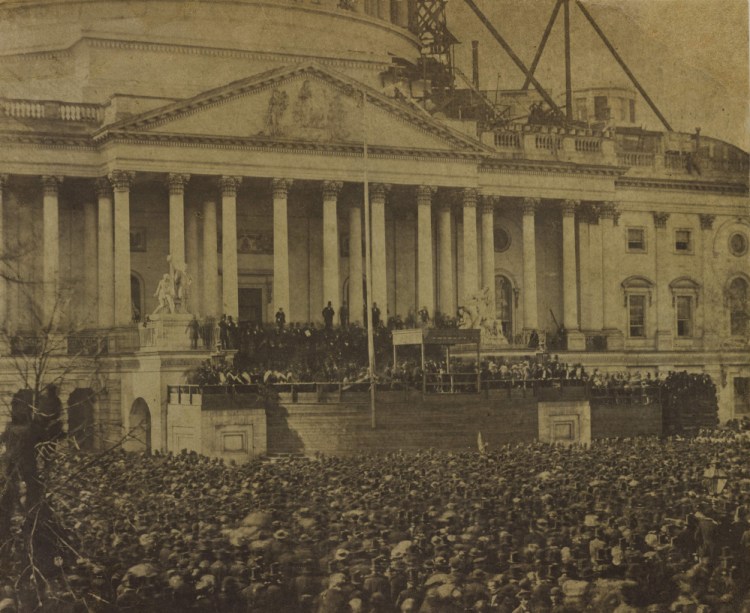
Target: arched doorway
{"type": "Point", "coordinates": [349, 300]}
{"type": "Point", "coordinates": [139, 427]}
{"type": "Point", "coordinates": [504, 305]}
{"type": "Point", "coordinates": [136, 295]}
{"type": "Point", "coordinates": [81, 417]}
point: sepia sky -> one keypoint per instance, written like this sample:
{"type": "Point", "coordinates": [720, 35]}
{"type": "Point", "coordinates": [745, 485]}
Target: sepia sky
{"type": "Point", "coordinates": [691, 56]}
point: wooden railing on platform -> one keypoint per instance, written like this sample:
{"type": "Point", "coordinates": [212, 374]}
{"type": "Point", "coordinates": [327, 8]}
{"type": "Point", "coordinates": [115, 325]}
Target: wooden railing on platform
{"type": "Point", "coordinates": [432, 384]}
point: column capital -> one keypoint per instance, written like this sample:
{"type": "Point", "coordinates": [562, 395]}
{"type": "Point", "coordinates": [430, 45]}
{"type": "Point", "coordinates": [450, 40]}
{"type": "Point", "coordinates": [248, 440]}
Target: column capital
{"type": "Point", "coordinates": [569, 207]}
{"type": "Point", "coordinates": [121, 180]}
{"type": "Point", "coordinates": [707, 221]}
{"type": "Point", "coordinates": [332, 189]}
{"type": "Point", "coordinates": [281, 187]}
{"type": "Point", "coordinates": [660, 220]}
{"type": "Point", "coordinates": [176, 183]}
{"type": "Point", "coordinates": [530, 205]}
{"type": "Point", "coordinates": [470, 195]}
{"type": "Point", "coordinates": [229, 185]}
{"type": "Point", "coordinates": [379, 190]}
{"type": "Point", "coordinates": [424, 194]}
{"type": "Point", "coordinates": [589, 213]}
{"type": "Point", "coordinates": [103, 187]}
{"type": "Point", "coordinates": [608, 210]}
{"type": "Point", "coordinates": [51, 184]}
{"type": "Point", "coordinates": [489, 203]}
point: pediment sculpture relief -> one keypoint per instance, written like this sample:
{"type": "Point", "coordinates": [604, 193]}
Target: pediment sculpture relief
{"type": "Point", "coordinates": [316, 114]}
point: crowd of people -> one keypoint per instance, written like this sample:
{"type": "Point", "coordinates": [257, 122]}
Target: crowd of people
{"type": "Point", "coordinates": [622, 525]}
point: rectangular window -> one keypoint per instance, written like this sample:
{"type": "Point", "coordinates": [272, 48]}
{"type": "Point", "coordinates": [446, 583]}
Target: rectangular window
{"type": "Point", "coordinates": [601, 108]}
{"type": "Point", "coordinates": [636, 240]}
{"type": "Point", "coordinates": [637, 316]}
{"type": "Point", "coordinates": [632, 111]}
{"type": "Point", "coordinates": [682, 241]}
{"type": "Point", "coordinates": [684, 305]}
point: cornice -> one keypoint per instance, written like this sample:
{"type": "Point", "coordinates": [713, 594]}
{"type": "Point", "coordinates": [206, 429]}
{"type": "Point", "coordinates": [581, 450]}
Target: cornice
{"type": "Point", "coordinates": [49, 140]}
{"type": "Point", "coordinates": [225, 52]}
{"type": "Point", "coordinates": [542, 167]}
{"type": "Point", "coordinates": [674, 184]}
{"type": "Point", "coordinates": [285, 146]}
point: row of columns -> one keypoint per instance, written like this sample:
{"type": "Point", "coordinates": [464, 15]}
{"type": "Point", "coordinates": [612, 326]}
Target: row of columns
{"type": "Point", "coordinates": [112, 249]}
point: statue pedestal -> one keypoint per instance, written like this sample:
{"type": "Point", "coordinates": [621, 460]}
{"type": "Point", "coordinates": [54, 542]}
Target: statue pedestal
{"type": "Point", "coordinates": [167, 332]}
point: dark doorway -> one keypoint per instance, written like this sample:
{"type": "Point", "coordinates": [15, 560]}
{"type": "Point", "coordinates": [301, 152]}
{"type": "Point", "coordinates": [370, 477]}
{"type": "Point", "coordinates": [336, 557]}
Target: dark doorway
{"type": "Point", "coordinates": [137, 298]}
{"type": "Point", "coordinates": [139, 439]}
{"type": "Point", "coordinates": [251, 305]}
{"type": "Point", "coordinates": [81, 418]}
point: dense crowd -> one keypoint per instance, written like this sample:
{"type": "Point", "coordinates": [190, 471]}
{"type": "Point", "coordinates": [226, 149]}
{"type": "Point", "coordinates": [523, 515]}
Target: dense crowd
{"type": "Point", "coordinates": [625, 525]}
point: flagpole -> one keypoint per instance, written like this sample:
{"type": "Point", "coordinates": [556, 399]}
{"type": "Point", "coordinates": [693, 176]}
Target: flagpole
{"type": "Point", "coordinates": [368, 265]}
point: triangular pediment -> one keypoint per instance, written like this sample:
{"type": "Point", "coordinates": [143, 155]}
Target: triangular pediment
{"type": "Point", "coordinates": [304, 104]}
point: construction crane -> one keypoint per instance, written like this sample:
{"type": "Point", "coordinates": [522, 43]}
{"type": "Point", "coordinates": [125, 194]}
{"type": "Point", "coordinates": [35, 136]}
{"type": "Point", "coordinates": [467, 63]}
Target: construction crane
{"type": "Point", "coordinates": [437, 57]}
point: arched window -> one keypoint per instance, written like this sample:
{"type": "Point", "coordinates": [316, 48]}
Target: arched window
{"type": "Point", "coordinates": [504, 305]}
{"type": "Point", "coordinates": [739, 309]}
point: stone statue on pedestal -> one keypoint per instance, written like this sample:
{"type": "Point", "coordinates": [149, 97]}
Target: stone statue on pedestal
{"type": "Point", "coordinates": [173, 291]}
{"type": "Point", "coordinates": [477, 314]}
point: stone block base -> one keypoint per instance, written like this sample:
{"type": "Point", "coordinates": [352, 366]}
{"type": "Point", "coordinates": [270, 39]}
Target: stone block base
{"type": "Point", "coordinates": [167, 332]}
{"type": "Point", "coordinates": [576, 340]}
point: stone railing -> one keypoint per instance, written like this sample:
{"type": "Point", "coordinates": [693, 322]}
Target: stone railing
{"type": "Point", "coordinates": [636, 158]}
{"type": "Point", "coordinates": [507, 140]}
{"type": "Point", "coordinates": [51, 109]}
{"type": "Point", "coordinates": [536, 142]}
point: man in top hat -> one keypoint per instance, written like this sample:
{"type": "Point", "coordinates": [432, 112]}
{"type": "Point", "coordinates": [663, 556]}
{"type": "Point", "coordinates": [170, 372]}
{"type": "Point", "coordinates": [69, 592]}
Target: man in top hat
{"type": "Point", "coordinates": [328, 314]}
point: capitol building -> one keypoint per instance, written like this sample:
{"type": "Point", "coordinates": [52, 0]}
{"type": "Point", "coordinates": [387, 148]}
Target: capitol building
{"type": "Point", "coordinates": [222, 139]}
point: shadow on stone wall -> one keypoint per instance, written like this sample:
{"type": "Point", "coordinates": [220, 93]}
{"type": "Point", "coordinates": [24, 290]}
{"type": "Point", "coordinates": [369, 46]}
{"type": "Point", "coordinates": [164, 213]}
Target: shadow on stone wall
{"type": "Point", "coordinates": [282, 438]}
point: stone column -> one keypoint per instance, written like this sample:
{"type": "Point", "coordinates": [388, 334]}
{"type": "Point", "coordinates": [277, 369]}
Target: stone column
{"type": "Point", "coordinates": [488, 246]}
{"type": "Point", "coordinates": [177, 184]}
{"type": "Point", "coordinates": [106, 254]}
{"type": "Point", "coordinates": [471, 259]}
{"type": "Point", "coordinates": [210, 261]}
{"type": "Point", "coordinates": [576, 340]}
{"type": "Point", "coordinates": [230, 304]}
{"type": "Point", "coordinates": [121, 181]}
{"type": "Point", "coordinates": [664, 309]}
{"type": "Point", "coordinates": [593, 280]}
{"type": "Point", "coordinates": [5, 270]}
{"type": "Point", "coordinates": [281, 246]}
{"type": "Point", "coordinates": [356, 297]}
{"type": "Point", "coordinates": [51, 248]}
{"type": "Point", "coordinates": [446, 291]}
{"type": "Point", "coordinates": [530, 316]}
{"type": "Point", "coordinates": [611, 292]}
{"type": "Point", "coordinates": [401, 18]}
{"type": "Point", "coordinates": [90, 280]}
{"type": "Point", "coordinates": [425, 272]}
{"type": "Point", "coordinates": [192, 260]}
{"type": "Point", "coordinates": [378, 192]}
{"type": "Point", "coordinates": [331, 275]}
{"type": "Point", "coordinates": [711, 326]}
